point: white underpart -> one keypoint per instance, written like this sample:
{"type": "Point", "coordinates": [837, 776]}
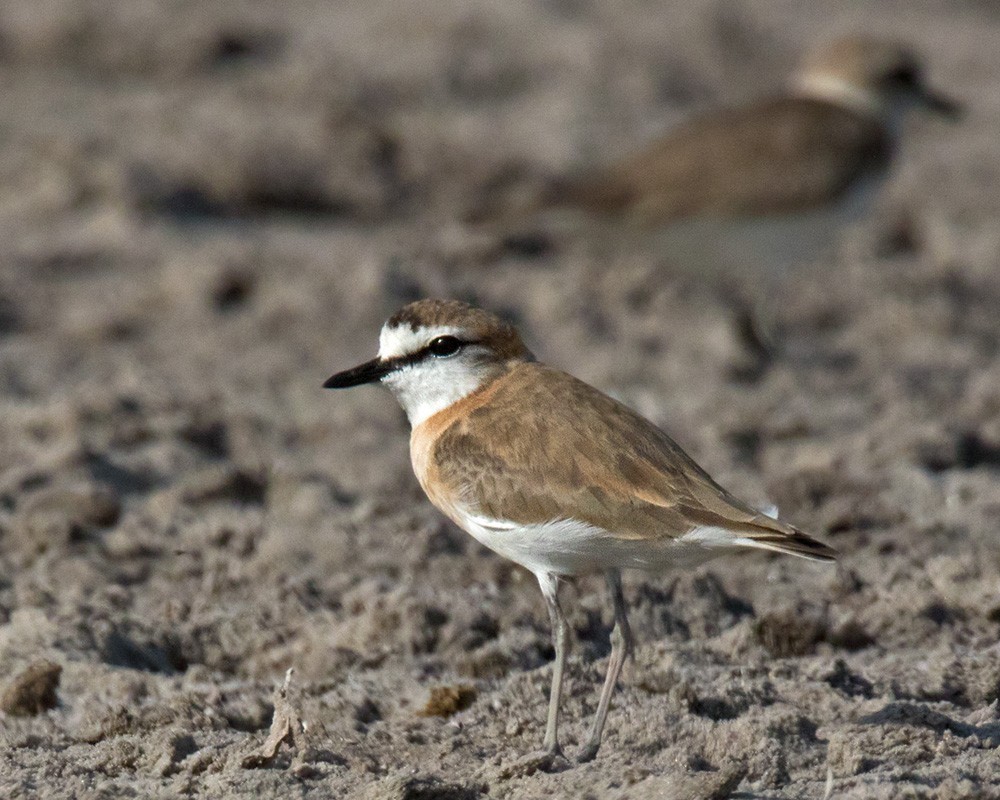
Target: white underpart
{"type": "Point", "coordinates": [430, 386]}
{"type": "Point", "coordinates": [824, 86]}
{"type": "Point", "coordinates": [772, 244]}
{"type": "Point", "coordinates": [571, 547]}
{"type": "Point", "coordinates": [715, 537]}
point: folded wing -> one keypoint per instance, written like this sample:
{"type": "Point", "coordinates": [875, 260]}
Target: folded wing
{"type": "Point", "coordinates": [736, 162]}
{"type": "Point", "coordinates": [602, 464]}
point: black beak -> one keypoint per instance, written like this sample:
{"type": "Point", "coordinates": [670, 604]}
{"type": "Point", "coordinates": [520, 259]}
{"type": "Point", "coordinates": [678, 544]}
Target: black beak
{"type": "Point", "coordinates": [940, 104]}
{"type": "Point", "coordinates": [369, 372]}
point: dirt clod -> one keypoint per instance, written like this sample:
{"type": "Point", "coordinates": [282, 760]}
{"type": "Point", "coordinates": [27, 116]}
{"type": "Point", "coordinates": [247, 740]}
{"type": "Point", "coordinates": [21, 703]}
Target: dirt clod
{"type": "Point", "coordinates": [32, 691]}
{"type": "Point", "coordinates": [445, 701]}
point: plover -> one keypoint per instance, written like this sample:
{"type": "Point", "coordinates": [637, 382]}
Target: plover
{"type": "Point", "coordinates": [552, 474]}
{"type": "Point", "coordinates": [775, 180]}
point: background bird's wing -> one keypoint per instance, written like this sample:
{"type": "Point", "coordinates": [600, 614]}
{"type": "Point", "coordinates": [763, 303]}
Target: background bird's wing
{"type": "Point", "coordinates": [579, 454]}
{"type": "Point", "coordinates": [736, 162]}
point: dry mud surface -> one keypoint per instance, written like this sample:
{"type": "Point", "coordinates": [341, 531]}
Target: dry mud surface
{"type": "Point", "coordinates": [207, 207]}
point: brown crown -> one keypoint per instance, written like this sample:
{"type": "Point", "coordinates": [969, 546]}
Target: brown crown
{"type": "Point", "coordinates": [481, 326]}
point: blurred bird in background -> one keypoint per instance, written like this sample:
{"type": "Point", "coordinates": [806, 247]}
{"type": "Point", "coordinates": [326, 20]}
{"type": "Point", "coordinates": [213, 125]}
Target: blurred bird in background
{"type": "Point", "coordinates": [768, 184]}
{"type": "Point", "coordinates": [737, 198]}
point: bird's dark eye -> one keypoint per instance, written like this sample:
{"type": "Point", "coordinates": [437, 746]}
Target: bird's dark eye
{"type": "Point", "coordinates": [904, 75]}
{"type": "Point", "coordinates": [444, 346]}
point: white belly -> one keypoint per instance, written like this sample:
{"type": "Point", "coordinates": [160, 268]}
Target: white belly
{"type": "Point", "coordinates": [569, 547]}
{"type": "Point", "coordinates": [772, 244]}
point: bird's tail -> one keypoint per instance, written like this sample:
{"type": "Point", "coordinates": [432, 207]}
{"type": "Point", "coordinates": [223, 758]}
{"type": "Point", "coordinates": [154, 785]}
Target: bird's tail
{"type": "Point", "coordinates": [793, 542]}
{"type": "Point", "coordinates": [770, 533]}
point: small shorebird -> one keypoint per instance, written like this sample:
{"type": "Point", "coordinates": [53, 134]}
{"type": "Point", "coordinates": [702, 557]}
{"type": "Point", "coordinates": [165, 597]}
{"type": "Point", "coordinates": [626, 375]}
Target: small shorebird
{"type": "Point", "coordinates": [549, 472]}
{"type": "Point", "coordinates": [773, 181]}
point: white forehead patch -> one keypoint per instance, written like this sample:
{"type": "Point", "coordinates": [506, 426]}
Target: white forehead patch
{"type": "Point", "coordinates": [838, 90]}
{"type": "Point", "coordinates": [402, 340]}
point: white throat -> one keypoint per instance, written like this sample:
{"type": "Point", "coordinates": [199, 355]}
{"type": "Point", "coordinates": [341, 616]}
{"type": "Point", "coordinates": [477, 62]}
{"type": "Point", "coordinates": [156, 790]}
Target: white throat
{"type": "Point", "coordinates": [423, 393]}
{"type": "Point", "coordinates": [833, 89]}
{"type": "Point", "coordinates": [430, 386]}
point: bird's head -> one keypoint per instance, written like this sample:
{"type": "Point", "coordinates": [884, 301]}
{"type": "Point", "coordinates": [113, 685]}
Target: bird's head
{"type": "Point", "coordinates": [432, 353]}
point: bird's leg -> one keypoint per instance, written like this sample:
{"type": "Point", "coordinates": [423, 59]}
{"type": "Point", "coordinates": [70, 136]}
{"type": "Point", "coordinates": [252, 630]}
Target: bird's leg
{"type": "Point", "coordinates": [549, 584]}
{"type": "Point", "coordinates": [622, 646]}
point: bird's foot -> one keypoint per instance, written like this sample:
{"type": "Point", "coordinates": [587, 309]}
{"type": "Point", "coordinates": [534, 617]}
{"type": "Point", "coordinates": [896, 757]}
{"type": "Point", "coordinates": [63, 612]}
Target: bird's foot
{"type": "Point", "coordinates": [588, 751]}
{"type": "Point", "coordinates": [548, 759]}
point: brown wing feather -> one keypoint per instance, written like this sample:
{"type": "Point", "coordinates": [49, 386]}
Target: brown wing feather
{"type": "Point", "coordinates": [736, 162]}
{"type": "Point", "coordinates": [600, 463]}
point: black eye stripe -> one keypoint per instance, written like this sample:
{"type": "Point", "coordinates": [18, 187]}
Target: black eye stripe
{"type": "Point", "coordinates": [401, 362]}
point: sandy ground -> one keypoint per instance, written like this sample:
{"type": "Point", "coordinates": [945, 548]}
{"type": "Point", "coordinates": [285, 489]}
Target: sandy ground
{"type": "Point", "coordinates": [208, 207]}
